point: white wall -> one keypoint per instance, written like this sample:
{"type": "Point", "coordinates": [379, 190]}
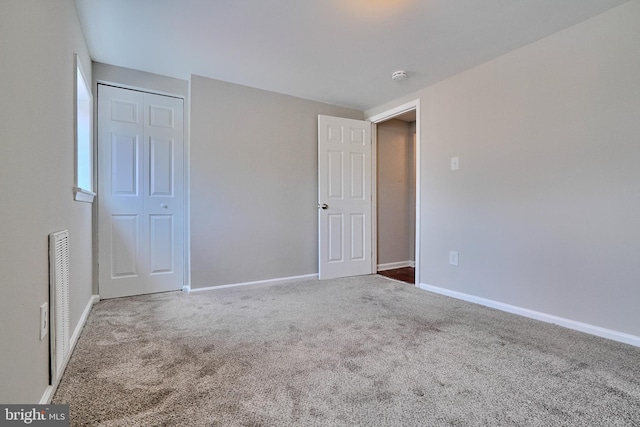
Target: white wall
{"type": "Point", "coordinates": [395, 192]}
{"type": "Point", "coordinates": [544, 210]}
{"type": "Point", "coordinates": [38, 39]}
{"type": "Point", "coordinates": [139, 79]}
{"type": "Point", "coordinates": [253, 183]}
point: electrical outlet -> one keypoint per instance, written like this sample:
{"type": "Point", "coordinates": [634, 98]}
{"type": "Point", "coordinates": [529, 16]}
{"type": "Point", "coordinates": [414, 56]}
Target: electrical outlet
{"type": "Point", "coordinates": [44, 320]}
{"type": "Point", "coordinates": [453, 258]}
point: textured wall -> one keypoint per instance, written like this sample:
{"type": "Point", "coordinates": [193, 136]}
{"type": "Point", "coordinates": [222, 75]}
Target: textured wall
{"type": "Point", "coordinates": [254, 184]}
{"type": "Point", "coordinates": [38, 39]}
{"type": "Point", "coordinates": [140, 79]}
{"type": "Point", "coordinates": [544, 209]}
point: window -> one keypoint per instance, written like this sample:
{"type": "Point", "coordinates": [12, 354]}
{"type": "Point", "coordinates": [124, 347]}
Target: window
{"type": "Point", "coordinates": [84, 138]}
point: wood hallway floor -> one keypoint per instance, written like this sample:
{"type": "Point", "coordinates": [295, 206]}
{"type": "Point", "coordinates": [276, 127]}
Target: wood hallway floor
{"type": "Point", "coordinates": [406, 274]}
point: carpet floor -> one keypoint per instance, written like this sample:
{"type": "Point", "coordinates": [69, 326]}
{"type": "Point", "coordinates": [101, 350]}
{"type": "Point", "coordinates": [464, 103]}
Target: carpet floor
{"type": "Point", "coordinates": [362, 351]}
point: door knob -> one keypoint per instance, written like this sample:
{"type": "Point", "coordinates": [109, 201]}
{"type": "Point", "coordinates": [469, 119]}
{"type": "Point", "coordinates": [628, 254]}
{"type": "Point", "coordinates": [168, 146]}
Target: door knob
{"type": "Point", "coordinates": [164, 206]}
{"type": "Point", "coordinates": [323, 206]}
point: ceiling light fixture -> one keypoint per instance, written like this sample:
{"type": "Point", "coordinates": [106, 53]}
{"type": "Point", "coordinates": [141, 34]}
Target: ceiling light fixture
{"type": "Point", "coordinates": [399, 75]}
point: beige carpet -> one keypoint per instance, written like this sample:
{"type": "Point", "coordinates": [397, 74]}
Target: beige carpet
{"type": "Point", "coordinates": [362, 351]}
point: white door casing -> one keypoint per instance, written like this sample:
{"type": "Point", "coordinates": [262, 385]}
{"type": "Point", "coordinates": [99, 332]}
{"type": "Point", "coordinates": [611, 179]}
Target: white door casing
{"type": "Point", "coordinates": [140, 192]}
{"type": "Point", "coordinates": [387, 115]}
{"type": "Point", "coordinates": [344, 197]}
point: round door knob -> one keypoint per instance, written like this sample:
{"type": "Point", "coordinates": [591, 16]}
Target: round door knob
{"type": "Point", "coordinates": [164, 206]}
{"type": "Point", "coordinates": [324, 206]}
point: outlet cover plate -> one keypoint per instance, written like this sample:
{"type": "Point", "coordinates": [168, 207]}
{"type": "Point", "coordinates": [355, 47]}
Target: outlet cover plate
{"type": "Point", "coordinates": [453, 258]}
{"type": "Point", "coordinates": [44, 320]}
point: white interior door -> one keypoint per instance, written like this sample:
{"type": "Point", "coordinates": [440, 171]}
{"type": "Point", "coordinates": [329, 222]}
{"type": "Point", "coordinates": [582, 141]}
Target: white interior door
{"type": "Point", "coordinates": [140, 192]}
{"type": "Point", "coordinates": [344, 197]}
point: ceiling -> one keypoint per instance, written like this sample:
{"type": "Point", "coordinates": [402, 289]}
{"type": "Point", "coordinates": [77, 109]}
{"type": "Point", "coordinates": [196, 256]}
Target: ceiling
{"type": "Point", "coordinates": [341, 52]}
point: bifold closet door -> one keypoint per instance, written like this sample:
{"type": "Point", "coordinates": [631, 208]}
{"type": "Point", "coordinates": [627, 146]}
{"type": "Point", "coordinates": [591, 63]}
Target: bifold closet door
{"type": "Point", "coordinates": [140, 192]}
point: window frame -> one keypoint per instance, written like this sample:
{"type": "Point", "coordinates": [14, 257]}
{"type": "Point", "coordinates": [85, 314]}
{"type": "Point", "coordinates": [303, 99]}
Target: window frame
{"type": "Point", "coordinates": [83, 147]}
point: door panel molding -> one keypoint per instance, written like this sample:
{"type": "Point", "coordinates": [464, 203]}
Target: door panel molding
{"type": "Point", "coordinates": [141, 175]}
{"type": "Point", "coordinates": [344, 197]}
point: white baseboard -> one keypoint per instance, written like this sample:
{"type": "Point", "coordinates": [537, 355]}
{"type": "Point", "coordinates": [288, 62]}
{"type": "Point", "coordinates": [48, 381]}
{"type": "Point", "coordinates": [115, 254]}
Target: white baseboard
{"type": "Point", "coordinates": [394, 265]}
{"type": "Point", "coordinates": [548, 318]}
{"type": "Point", "coordinates": [48, 395]}
{"type": "Point", "coordinates": [259, 282]}
{"type": "Point", "coordinates": [50, 390]}
{"type": "Point", "coordinates": [83, 319]}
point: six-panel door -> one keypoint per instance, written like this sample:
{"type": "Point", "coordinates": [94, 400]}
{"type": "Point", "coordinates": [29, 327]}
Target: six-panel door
{"type": "Point", "coordinates": [140, 192]}
{"type": "Point", "coordinates": [344, 186]}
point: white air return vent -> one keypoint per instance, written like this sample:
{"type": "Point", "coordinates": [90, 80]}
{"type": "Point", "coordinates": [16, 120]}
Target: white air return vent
{"type": "Point", "coordinates": [59, 302]}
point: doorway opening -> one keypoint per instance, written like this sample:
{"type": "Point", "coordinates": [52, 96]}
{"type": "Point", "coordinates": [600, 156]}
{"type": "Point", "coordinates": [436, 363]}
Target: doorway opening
{"type": "Point", "coordinates": [396, 193]}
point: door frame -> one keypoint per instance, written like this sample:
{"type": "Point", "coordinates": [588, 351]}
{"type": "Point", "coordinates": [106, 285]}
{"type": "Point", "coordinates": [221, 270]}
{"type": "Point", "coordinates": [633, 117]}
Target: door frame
{"type": "Point", "coordinates": [186, 111]}
{"type": "Point", "coordinates": [375, 119]}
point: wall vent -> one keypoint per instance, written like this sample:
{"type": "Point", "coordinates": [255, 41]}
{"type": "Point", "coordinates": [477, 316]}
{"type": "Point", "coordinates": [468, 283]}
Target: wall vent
{"type": "Point", "coordinates": [58, 302]}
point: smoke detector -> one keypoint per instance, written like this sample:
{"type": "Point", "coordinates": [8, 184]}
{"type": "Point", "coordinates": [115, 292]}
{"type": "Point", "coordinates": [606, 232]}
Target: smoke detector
{"type": "Point", "coordinates": [399, 75]}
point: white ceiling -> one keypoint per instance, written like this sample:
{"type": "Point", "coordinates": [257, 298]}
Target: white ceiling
{"type": "Point", "coordinates": [337, 51]}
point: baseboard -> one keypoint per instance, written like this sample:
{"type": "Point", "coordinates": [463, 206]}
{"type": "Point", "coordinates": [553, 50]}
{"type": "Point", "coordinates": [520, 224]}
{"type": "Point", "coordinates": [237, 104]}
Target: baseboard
{"type": "Point", "coordinates": [51, 389]}
{"type": "Point", "coordinates": [83, 319]}
{"type": "Point", "coordinates": [394, 265]}
{"type": "Point", "coordinates": [532, 314]}
{"type": "Point", "coordinates": [48, 395]}
{"type": "Point", "coordinates": [259, 282]}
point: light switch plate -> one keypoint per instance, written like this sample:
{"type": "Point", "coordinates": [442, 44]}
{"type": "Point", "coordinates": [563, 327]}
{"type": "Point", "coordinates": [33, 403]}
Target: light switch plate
{"type": "Point", "coordinates": [455, 163]}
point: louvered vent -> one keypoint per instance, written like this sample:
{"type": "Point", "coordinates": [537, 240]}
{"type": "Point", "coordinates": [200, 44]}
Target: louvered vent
{"type": "Point", "coordinates": [59, 301]}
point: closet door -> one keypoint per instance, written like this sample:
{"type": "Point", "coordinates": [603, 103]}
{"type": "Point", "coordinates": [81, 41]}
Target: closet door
{"type": "Point", "coordinates": [140, 192]}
